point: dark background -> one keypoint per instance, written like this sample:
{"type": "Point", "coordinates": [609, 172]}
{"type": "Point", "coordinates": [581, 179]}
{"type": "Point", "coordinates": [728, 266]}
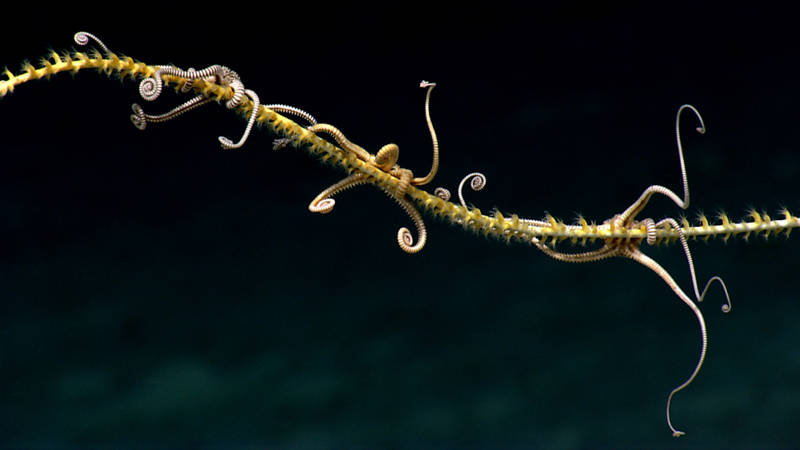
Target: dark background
{"type": "Point", "coordinates": [156, 289]}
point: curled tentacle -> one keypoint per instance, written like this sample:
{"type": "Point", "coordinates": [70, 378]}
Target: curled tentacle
{"type": "Point", "coordinates": [650, 226]}
{"type": "Point", "coordinates": [726, 307]}
{"type": "Point", "coordinates": [82, 38]}
{"type": "Point", "coordinates": [238, 92]}
{"type": "Point", "coordinates": [477, 182]}
{"type": "Point", "coordinates": [442, 193]}
{"type": "Point", "coordinates": [702, 130]}
{"type": "Point", "coordinates": [227, 143]}
{"type": "Point", "coordinates": [683, 203]}
{"type": "Point", "coordinates": [150, 88]}
{"type": "Point", "coordinates": [406, 241]}
{"type": "Point", "coordinates": [685, 244]}
{"type": "Point", "coordinates": [324, 203]}
{"type": "Point", "coordinates": [140, 118]}
{"type": "Point", "coordinates": [404, 238]}
{"type": "Point", "coordinates": [323, 206]}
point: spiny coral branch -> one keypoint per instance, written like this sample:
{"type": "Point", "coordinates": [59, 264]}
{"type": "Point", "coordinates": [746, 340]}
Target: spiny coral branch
{"type": "Point", "coordinates": [495, 225]}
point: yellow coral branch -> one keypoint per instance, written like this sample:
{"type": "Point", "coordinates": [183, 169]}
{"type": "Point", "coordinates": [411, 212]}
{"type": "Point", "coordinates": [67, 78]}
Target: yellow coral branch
{"type": "Point", "coordinates": [495, 225]}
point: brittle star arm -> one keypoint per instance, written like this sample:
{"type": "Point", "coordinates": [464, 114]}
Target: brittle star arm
{"type": "Point", "coordinates": [626, 218]}
{"type": "Point", "coordinates": [638, 205]}
{"type": "Point", "coordinates": [324, 203]}
{"type": "Point", "coordinates": [726, 307]}
{"type": "Point", "coordinates": [632, 251]}
{"type": "Point", "coordinates": [341, 140]}
{"type": "Point", "coordinates": [150, 89]}
{"type": "Point", "coordinates": [404, 238]}
{"type": "Point", "coordinates": [603, 252]}
{"type": "Point", "coordinates": [646, 261]}
{"type": "Point", "coordinates": [140, 119]}
{"type": "Point", "coordinates": [385, 159]}
{"type": "Point", "coordinates": [435, 164]}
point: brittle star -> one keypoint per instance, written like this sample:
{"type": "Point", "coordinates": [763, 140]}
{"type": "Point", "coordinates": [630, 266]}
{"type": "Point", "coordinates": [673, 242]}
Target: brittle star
{"type": "Point", "coordinates": [630, 248]}
{"type": "Point", "coordinates": [150, 89]}
{"type": "Point", "coordinates": [386, 160]}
